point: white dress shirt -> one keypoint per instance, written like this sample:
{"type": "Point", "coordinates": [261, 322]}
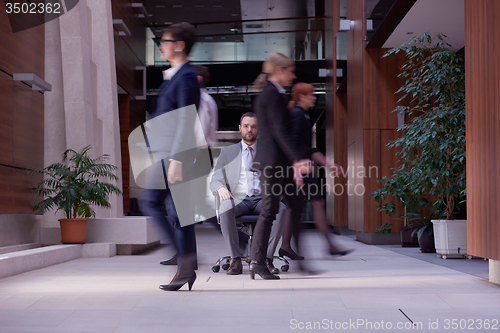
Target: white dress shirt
{"type": "Point", "coordinates": [242, 186]}
{"type": "Point", "coordinates": [169, 73]}
{"type": "Point", "coordinates": [281, 90]}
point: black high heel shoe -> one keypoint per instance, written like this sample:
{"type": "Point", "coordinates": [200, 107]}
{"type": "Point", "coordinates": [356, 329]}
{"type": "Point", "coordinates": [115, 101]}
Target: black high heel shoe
{"type": "Point", "coordinates": [176, 284]}
{"type": "Point", "coordinates": [261, 269]}
{"type": "Point", "coordinates": [292, 255]}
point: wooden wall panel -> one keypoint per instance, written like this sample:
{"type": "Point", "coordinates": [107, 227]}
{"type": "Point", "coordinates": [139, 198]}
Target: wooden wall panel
{"type": "Point", "coordinates": [340, 157]}
{"type": "Point", "coordinates": [372, 151]}
{"type": "Point", "coordinates": [125, 176]}
{"type": "Point", "coordinates": [122, 9]}
{"type": "Point", "coordinates": [126, 74]}
{"type": "Point", "coordinates": [482, 74]}
{"type": "Point", "coordinates": [23, 51]}
{"type": "Point", "coordinates": [130, 51]}
{"type": "Point", "coordinates": [356, 11]}
{"type": "Point", "coordinates": [21, 116]}
{"type": "Point", "coordinates": [28, 127]}
{"type": "Point", "coordinates": [132, 114]}
{"type": "Point", "coordinates": [371, 83]}
{"type": "Point", "coordinates": [381, 82]}
{"type": "Point", "coordinates": [355, 133]}
{"type": "Point", "coordinates": [6, 119]}
{"type": "Point", "coordinates": [335, 204]}
{"type": "Point", "coordinates": [15, 191]}
{"type": "Point", "coordinates": [124, 111]}
{"type": "Point", "coordinates": [378, 163]}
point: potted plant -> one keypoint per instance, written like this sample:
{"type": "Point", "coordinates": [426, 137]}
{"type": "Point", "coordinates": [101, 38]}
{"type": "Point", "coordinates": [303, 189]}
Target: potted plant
{"type": "Point", "coordinates": [74, 185]}
{"type": "Point", "coordinates": [431, 148]}
{"type": "Point", "coordinates": [423, 230]}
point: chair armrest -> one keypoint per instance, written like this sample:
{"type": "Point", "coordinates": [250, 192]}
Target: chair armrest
{"type": "Point", "coordinates": [217, 205]}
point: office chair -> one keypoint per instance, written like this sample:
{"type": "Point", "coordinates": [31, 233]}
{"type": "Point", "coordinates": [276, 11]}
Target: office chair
{"type": "Point", "coordinates": [247, 223]}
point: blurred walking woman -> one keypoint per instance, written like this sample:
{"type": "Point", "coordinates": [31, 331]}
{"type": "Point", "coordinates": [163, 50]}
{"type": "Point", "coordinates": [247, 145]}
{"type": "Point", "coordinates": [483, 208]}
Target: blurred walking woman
{"type": "Point", "coordinates": [277, 155]}
{"type": "Point", "coordinates": [301, 130]}
{"type": "Point", "coordinates": [180, 89]}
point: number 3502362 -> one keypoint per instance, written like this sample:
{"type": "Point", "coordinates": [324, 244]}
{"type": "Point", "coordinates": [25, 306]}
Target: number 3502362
{"type": "Point", "coordinates": [33, 8]}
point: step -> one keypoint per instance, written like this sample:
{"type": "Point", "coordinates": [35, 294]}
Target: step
{"type": "Point", "coordinates": [24, 261]}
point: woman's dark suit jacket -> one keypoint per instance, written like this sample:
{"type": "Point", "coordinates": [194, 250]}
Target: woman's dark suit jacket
{"type": "Point", "coordinates": [182, 90]}
{"type": "Point", "coordinates": [276, 146]}
{"type": "Point", "coordinates": [302, 131]}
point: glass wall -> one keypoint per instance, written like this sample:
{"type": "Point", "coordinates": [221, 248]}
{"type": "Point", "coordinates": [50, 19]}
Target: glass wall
{"type": "Point", "coordinates": [300, 39]}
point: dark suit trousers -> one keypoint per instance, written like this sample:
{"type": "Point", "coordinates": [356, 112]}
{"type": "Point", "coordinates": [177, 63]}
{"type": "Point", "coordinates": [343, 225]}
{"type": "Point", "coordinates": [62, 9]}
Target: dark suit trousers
{"type": "Point", "coordinates": [154, 203]}
{"type": "Point", "coordinates": [273, 186]}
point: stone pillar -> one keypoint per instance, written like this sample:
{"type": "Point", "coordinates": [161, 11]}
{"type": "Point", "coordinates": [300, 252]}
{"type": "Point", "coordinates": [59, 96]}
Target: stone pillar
{"type": "Point", "coordinates": [106, 95]}
{"type": "Point", "coordinates": [494, 271]}
{"type": "Point", "coordinates": [82, 108]}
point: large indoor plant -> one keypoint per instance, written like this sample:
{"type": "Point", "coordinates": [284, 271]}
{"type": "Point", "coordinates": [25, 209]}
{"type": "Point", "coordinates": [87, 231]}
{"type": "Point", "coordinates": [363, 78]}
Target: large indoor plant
{"type": "Point", "coordinates": [431, 148]}
{"type": "Point", "coordinates": [74, 185]}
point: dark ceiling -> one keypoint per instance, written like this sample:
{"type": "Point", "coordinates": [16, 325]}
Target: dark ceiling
{"type": "Point", "coordinates": [198, 12]}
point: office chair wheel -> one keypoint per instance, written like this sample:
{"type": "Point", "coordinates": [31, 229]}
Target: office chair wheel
{"type": "Point", "coordinates": [215, 269]}
{"type": "Point", "coordinates": [285, 268]}
{"type": "Point", "coordinates": [225, 267]}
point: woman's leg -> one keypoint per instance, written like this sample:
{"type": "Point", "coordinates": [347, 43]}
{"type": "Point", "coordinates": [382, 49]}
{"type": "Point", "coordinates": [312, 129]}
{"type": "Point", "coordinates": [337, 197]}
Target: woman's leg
{"type": "Point", "coordinates": [319, 215]}
{"type": "Point", "coordinates": [269, 208]}
{"type": "Point", "coordinates": [287, 232]}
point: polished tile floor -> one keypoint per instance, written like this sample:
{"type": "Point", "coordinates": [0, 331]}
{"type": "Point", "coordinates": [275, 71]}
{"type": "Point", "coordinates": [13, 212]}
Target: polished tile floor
{"type": "Point", "coordinates": [374, 289]}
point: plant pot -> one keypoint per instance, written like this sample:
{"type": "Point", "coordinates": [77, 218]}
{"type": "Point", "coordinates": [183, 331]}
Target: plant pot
{"type": "Point", "coordinates": [73, 231]}
{"type": "Point", "coordinates": [426, 243]}
{"type": "Point", "coordinates": [407, 240]}
{"type": "Point", "coordinates": [450, 237]}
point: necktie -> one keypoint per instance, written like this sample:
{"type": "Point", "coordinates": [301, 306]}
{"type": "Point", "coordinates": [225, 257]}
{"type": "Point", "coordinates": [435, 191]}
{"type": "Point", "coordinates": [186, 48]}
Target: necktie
{"type": "Point", "coordinates": [250, 180]}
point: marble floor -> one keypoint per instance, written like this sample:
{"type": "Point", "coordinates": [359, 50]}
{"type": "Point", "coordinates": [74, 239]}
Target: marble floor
{"type": "Point", "coordinates": [374, 289]}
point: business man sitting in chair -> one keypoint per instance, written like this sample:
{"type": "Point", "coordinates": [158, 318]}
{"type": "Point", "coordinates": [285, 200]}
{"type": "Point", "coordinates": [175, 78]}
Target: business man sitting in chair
{"type": "Point", "coordinates": [239, 190]}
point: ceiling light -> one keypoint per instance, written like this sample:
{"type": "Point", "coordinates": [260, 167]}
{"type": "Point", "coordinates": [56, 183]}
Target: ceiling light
{"type": "Point", "coordinates": [160, 6]}
{"type": "Point", "coordinates": [217, 6]}
{"type": "Point", "coordinates": [199, 6]}
{"type": "Point", "coordinates": [167, 23]}
{"type": "Point", "coordinates": [209, 38]}
{"type": "Point", "coordinates": [176, 6]}
{"type": "Point", "coordinates": [234, 14]}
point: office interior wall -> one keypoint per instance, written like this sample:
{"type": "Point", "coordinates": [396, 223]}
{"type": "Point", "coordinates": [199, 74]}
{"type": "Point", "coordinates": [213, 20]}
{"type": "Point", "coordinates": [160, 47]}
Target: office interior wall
{"type": "Point", "coordinates": [371, 124]}
{"type": "Point", "coordinates": [21, 116]}
{"type": "Point", "coordinates": [482, 89]}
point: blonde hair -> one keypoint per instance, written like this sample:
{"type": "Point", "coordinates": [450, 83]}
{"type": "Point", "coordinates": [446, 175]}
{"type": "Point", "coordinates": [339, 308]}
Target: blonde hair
{"type": "Point", "coordinates": [269, 66]}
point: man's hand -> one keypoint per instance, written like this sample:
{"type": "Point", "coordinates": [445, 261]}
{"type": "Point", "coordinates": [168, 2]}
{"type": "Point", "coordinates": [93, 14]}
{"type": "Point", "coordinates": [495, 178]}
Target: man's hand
{"type": "Point", "coordinates": [174, 173]}
{"type": "Point", "coordinates": [224, 194]}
